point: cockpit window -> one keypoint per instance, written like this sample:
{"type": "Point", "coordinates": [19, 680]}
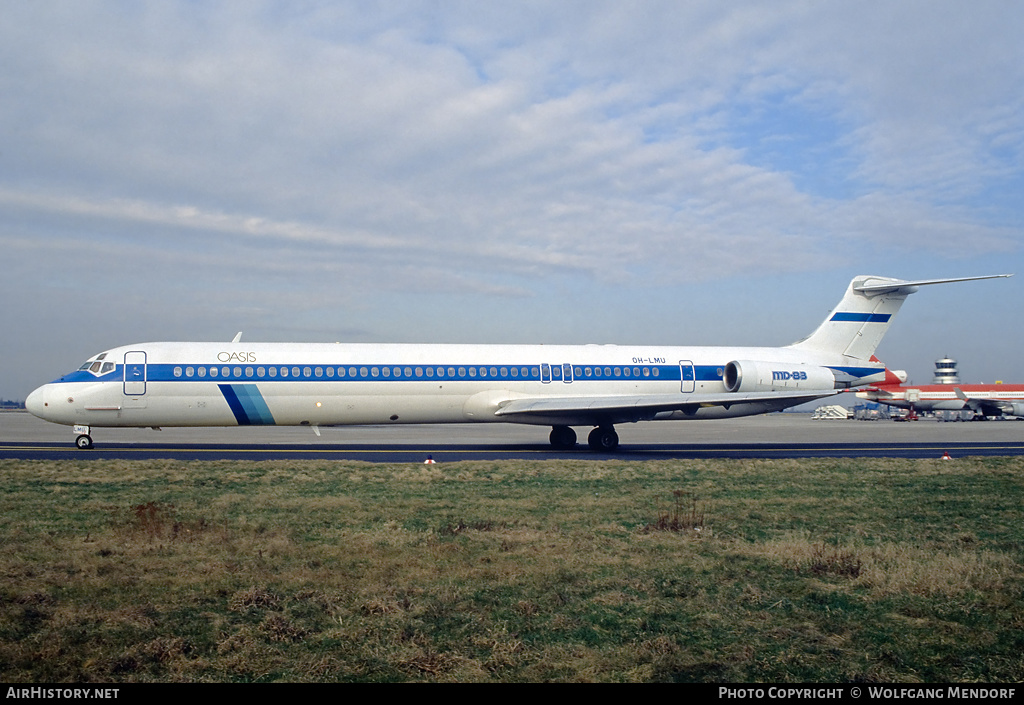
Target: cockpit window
{"type": "Point", "coordinates": [98, 367]}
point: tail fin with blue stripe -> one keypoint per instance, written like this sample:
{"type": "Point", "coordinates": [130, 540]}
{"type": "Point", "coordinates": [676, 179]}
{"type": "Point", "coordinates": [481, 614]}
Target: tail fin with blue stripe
{"type": "Point", "coordinates": [857, 324]}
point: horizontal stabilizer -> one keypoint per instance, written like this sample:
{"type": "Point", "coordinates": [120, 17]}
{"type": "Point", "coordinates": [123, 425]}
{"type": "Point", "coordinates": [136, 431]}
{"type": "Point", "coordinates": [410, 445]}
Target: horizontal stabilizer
{"type": "Point", "coordinates": [874, 286]}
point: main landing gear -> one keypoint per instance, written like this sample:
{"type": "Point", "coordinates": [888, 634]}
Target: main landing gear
{"type": "Point", "coordinates": [602, 438]}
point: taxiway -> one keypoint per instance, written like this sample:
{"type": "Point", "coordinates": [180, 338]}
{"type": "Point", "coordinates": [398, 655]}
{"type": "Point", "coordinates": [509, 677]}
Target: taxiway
{"type": "Point", "coordinates": [783, 435]}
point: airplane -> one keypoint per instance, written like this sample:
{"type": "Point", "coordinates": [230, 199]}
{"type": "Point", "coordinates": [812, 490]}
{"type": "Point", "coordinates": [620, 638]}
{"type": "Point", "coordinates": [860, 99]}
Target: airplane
{"type": "Point", "coordinates": [183, 384]}
{"type": "Point", "coordinates": [983, 399]}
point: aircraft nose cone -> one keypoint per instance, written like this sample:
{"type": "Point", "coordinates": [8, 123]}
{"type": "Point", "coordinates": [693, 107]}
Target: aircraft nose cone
{"type": "Point", "coordinates": [36, 403]}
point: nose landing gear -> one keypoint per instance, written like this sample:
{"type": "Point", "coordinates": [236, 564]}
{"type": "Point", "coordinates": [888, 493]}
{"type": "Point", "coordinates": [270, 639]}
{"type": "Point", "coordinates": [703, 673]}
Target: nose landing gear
{"type": "Point", "coordinates": [84, 440]}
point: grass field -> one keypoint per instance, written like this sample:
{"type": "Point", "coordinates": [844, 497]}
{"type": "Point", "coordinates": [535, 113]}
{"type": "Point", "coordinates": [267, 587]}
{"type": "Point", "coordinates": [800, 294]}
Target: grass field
{"type": "Point", "coordinates": [737, 571]}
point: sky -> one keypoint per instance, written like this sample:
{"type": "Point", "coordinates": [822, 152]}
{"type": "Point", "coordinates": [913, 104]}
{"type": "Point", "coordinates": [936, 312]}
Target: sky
{"type": "Point", "coordinates": [643, 172]}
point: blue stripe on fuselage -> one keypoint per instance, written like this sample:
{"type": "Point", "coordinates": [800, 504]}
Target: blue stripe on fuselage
{"type": "Point", "coordinates": [163, 372]}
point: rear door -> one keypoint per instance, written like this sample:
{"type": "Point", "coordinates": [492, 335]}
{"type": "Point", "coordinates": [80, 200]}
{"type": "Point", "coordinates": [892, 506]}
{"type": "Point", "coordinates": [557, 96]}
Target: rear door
{"type": "Point", "coordinates": [688, 379]}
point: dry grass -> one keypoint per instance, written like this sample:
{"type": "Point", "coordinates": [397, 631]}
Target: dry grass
{"type": "Point", "coordinates": [543, 571]}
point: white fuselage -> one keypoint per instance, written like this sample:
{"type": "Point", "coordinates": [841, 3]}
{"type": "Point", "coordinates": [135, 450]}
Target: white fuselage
{"type": "Point", "coordinates": [227, 384]}
{"type": "Point", "coordinates": [221, 384]}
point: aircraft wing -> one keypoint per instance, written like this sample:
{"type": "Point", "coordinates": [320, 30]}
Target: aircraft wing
{"type": "Point", "coordinates": [626, 408]}
{"type": "Point", "coordinates": [987, 407]}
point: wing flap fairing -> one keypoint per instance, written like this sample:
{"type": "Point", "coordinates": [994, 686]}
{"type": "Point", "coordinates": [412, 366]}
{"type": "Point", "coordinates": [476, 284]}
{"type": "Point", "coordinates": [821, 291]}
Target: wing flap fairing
{"type": "Point", "coordinates": [647, 405]}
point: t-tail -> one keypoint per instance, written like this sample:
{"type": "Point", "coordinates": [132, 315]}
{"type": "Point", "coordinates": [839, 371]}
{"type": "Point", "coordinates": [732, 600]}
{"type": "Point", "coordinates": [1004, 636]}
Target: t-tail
{"type": "Point", "coordinates": [857, 325]}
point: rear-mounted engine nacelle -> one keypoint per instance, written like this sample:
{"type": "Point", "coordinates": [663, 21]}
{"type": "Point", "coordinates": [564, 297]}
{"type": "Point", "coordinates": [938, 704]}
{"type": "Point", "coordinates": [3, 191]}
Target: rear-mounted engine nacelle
{"type": "Point", "coordinates": [750, 376]}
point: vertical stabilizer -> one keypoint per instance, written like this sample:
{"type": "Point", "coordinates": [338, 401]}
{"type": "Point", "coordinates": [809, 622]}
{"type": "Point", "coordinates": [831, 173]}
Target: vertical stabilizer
{"type": "Point", "coordinates": [858, 323]}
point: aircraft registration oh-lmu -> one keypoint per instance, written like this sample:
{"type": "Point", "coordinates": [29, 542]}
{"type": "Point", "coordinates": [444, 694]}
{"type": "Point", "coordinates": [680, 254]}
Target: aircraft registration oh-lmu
{"type": "Point", "coordinates": [299, 384]}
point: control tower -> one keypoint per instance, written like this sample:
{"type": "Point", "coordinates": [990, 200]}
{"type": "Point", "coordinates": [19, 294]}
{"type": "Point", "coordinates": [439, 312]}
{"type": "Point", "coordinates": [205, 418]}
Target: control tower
{"type": "Point", "coordinates": [945, 372]}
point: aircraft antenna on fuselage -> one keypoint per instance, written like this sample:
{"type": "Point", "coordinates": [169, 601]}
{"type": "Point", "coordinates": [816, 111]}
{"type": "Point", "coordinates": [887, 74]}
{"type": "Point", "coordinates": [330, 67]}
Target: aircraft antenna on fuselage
{"type": "Point", "coordinates": [238, 337]}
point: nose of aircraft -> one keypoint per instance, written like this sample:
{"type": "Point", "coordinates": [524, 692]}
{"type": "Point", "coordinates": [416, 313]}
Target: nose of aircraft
{"type": "Point", "coordinates": [36, 402]}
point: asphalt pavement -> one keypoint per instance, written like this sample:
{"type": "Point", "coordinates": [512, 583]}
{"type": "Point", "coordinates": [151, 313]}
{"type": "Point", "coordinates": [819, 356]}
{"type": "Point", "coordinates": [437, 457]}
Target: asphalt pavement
{"type": "Point", "coordinates": [767, 436]}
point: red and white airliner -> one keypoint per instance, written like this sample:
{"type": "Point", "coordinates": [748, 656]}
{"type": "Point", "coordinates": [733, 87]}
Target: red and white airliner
{"type": "Point", "coordinates": [983, 399]}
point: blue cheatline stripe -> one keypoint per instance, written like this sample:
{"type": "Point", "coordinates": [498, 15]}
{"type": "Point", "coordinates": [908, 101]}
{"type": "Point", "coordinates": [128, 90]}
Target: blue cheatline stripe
{"type": "Point", "coordinates": [247, 404]}
{"type": "Point", "coordinates": [857, 371]}
{"type": "Point", "coordinates": [862, 317]}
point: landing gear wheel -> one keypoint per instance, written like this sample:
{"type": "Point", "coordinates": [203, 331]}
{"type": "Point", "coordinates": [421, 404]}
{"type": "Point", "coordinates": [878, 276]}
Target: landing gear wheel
{"type": "Point", "coordinates": [84, 442]}
{"type": "Point", "coordinates": [603, 439]}
{"type": "Point", "coordinates": [562, 437]}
